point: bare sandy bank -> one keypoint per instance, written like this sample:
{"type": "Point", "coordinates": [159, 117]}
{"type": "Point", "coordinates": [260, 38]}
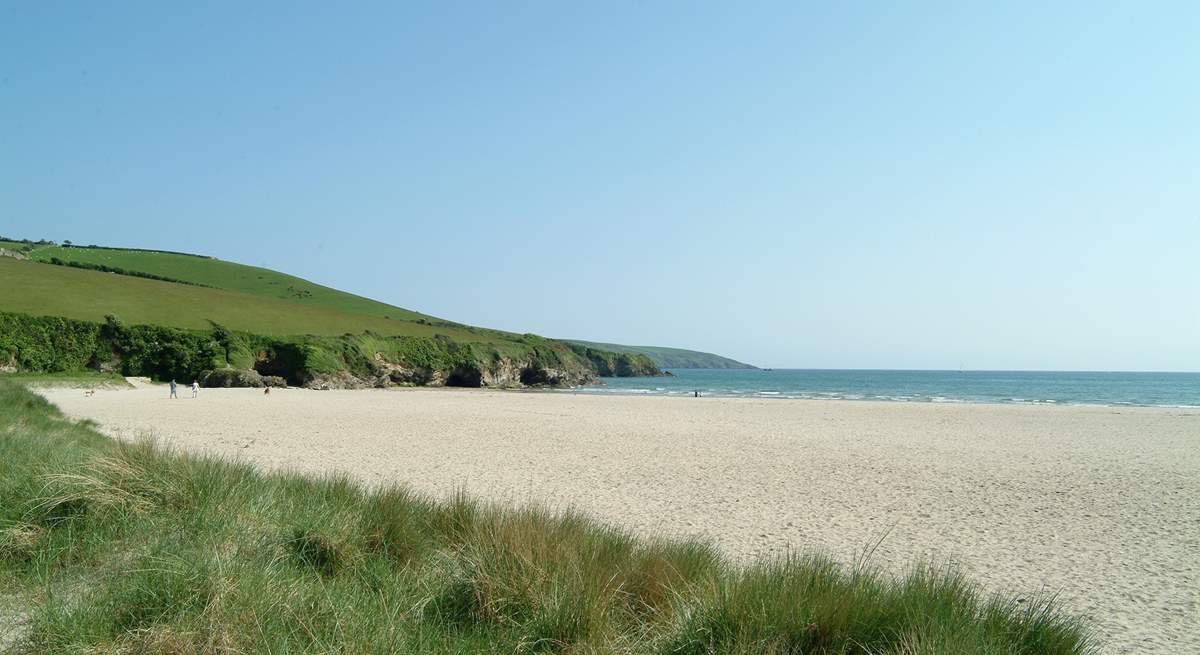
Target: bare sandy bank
{"type": "Point", "coordinates": [1098, 504]}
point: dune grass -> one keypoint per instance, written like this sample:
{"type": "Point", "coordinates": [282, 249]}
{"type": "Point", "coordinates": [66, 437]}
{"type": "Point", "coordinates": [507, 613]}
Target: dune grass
{"type": "Point", "coordinates": [128, 548]}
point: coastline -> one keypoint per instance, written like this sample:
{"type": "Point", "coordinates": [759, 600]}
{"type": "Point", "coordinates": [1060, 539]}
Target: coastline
{"type": "Point", "coordinates": [1096, 504]}
{"type": "Point", "coordinates": [1080, 388]}
{"type": "Point", "coordinates": [594, 391]}
{"type": "Point", "coordinates": [46, 382]}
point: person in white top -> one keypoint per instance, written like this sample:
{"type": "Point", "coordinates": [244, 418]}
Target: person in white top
{"type": "Point", "coordinates": [195, 388]}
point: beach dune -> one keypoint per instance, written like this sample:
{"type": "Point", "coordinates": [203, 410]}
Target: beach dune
{"type": "Point", "coordinates": [1098, 505]}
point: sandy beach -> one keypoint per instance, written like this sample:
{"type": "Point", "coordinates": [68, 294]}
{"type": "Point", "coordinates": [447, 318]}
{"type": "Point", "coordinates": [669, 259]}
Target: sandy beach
{"type": "Point", "coordinates": [1100, 505]}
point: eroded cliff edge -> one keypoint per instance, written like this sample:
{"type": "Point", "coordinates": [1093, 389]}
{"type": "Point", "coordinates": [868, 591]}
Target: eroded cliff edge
{"type": "Point", "coordinates": [222, 358]}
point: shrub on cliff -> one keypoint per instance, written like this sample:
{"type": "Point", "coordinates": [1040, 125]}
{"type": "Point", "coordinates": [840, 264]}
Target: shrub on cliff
{"type": "Point", "coordinates": [611, 364]}
{"type": "Point", "coordinates": [49, 343]}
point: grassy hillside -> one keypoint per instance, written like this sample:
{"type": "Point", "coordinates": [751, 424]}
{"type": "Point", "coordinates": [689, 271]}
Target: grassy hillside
{"type": "Point", "coordinates": [265, 283]}
{"type": "Point", "coordinates": [668, 358]}
{"type": "Point", "coordinates": [43, 289]}
{"type": "Point", "coordinates": [191, 292]}
{"type": "Point", "coordinates": [123, 548]}
{"type": "Point", "coordinates": [17, 246]}
{"type": "Point", "coordinates": [169, 329]}
{"type": "Point", "coordinates": [221, 274]}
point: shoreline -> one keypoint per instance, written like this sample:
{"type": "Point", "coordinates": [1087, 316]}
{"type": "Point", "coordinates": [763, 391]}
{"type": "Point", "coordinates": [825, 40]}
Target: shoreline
{"type": "Point", "coordinates": [914, 401]}
{"type": "Point", "coordinates": [76, 383]}
{"type": "Point", "coordinates": [1174, 390]}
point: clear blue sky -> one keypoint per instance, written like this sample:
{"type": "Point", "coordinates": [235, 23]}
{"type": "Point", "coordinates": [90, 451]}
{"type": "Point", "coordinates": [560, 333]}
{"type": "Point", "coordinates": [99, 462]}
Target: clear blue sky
{"type": "Point", "coordinates": [859, 185]}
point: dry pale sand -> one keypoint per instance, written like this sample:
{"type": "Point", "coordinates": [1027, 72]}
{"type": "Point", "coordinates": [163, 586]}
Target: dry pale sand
{"type": "Point", "coordinates": [1100, 505]}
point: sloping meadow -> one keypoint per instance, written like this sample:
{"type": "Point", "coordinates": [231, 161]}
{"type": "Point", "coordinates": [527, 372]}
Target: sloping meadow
{"type": "Point", "coordinates": [129, 548]}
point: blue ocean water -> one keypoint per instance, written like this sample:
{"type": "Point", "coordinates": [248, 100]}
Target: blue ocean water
{"type": "Point", "coordinates": [1032, 387]}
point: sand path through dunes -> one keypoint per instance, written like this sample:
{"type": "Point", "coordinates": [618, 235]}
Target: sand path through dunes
{"type": "Point", "coordinates": [1099, 504]}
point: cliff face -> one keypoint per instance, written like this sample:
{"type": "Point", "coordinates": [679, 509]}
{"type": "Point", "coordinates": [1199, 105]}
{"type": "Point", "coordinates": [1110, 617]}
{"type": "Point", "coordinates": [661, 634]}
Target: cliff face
{"type": "Point", "coordinates": [368, 360]}
{"type": "Point", "coordinates": [502, 372]}
{"type": "Point", "coordinates": [357, 361]}
{"type": "Point", "coordinates": [221, 357]}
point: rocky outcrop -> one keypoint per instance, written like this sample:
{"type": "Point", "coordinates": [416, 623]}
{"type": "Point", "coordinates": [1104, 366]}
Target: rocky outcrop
{"type": "Point", "coordinates": [339, 380]}
{"type": "Point", "coordinates": [505, 372]}
{"type": "Point", "coordinates": [501, 372]}
{"type": "Point", "coordinates": [498, 371]}
{"type": "Point", "coordinates": [223, 358]}
{"type": "Point", "coordinates": [388, 374]}
{"type": "Point", "coordinates": [228, 377]}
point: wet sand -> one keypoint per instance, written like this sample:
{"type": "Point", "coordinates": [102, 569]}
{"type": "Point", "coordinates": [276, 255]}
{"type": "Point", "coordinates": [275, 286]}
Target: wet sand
{"type": "Point", "coordinates": [1100, 505]}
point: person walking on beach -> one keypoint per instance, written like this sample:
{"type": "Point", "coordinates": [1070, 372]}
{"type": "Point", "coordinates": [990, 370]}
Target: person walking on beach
{"type": "Point", "coordinates": [195, 388]}
{"type": "Point", "coordinates": [173, 394]}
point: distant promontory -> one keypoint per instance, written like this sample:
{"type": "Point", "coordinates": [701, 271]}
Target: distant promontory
{"type": "Point", "coordinates": [668, 358]}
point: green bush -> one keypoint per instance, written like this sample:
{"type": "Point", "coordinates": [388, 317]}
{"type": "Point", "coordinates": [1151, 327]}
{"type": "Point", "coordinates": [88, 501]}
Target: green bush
{"type": "Point", "coordinates": [165, 353]}
{"type": "Point", "coordinates": [611, 364]}
{"type": "Point", "coordinates": [50, 344]}
{"type": "Point", "coordinates": [41, 344]}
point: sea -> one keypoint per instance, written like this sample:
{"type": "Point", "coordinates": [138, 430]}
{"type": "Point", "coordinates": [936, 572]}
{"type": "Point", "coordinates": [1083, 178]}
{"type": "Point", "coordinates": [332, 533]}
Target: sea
{"type": "Point", "coordinates": [1008, 387]}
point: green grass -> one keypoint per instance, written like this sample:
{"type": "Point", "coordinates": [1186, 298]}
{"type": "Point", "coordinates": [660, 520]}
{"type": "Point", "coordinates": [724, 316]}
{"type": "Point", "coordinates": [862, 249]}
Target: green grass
{"type": "Point", "coordinates": [230, 276]}
{"type": "Point", "coordinates": [276, 286]}
{"type": "Point", "coordinates": [16, 246]}
{"type": "Point", "coordinates": [127, 548]}
{"type": "Point", "coordinates": [256, 300]}
{"type": "Point", "coordinates": [46, 290]}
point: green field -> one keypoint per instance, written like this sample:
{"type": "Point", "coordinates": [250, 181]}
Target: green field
{"type": "Point", "coordinates": [221, 274]}
{"type": "Point", "coordinates": [170, 329]}
{"type": "Point", "coordinates": [125, 548]}
{"type": "Point", "coordinates": [46, 290]}
{"type": "Point", "coordinates": [194, 292]}
{"type": "Point", "coordinates": [283, 304]}
{"type": "Point", "coordinates": [21, 246]}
